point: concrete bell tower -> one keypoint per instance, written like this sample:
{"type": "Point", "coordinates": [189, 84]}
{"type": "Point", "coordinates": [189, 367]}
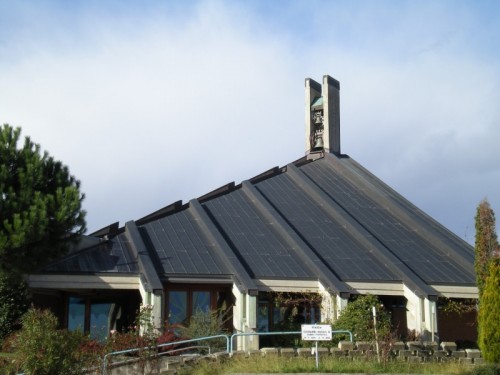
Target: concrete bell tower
{"type": "Point", "coordinates": [322, 116]}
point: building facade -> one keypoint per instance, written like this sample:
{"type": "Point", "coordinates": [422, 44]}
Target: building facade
{"type": "Point", "coordinates": [320, 226]}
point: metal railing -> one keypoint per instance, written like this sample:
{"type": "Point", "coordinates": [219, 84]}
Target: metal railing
{"type": "Point", "coordinates": [229, 344]}
{"type": "Point", "coordinates": [156, 347]}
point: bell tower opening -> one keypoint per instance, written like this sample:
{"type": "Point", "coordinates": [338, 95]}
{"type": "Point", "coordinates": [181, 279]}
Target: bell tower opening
{"type": "Point", "coordinates": [322, 117]}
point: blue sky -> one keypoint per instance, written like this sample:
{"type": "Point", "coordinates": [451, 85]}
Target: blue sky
{"type": "Point", "coordinates": [149, 102]}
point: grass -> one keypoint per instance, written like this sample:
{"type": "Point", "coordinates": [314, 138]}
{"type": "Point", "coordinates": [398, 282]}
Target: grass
{"type": "Point", "coordinates": [270, 364]}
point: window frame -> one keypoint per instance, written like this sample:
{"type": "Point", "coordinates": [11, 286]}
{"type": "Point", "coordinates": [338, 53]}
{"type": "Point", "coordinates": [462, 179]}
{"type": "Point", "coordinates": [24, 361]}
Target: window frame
{"type": "Point", "coordinates": [268, 299]}
{"type": "Point", "coordinates": [125, 300]}
{"type": "Point", "coordinates": [190, 289]}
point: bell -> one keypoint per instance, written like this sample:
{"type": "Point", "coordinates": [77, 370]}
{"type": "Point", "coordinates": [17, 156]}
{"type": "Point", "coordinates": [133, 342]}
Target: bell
{"type": "Point", "coordinates": [317, 118]}
{"type": "Point", "coordinates": [318, 144]}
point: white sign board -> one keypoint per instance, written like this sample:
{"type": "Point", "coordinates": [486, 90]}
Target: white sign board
{"type": "Point", "coordinates": [316, 332]}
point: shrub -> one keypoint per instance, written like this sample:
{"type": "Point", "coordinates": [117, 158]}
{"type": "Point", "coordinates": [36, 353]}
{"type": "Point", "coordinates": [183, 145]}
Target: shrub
{"type": "Point", "coordinates": [204, 323]}
{"type": "Point", "coordinates": [357, 317]}
{"type": "Point", "coordinates": [484, 370]}
{"type": "Point", "coordinates": [41, 349]}
{"type": "Point", "coordinates": [144, 338]}
{"type": "Point", "coordinates": [13, 303]}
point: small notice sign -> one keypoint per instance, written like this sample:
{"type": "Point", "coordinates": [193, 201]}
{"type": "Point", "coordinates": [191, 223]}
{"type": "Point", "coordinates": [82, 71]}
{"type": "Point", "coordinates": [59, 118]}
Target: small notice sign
{"type": "Point", "coordinates": [316, 332]}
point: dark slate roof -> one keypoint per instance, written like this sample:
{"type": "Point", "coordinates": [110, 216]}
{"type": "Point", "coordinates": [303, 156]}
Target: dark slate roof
{"type": "Point", "coordinates": [180, 247]}
{"type": "Point", "coordinates": [327, 219]}
{"type": "Point", "coordinates": [253, 239]}
{"type": "Point", "coordinates": [432, 252]}
{"type": "Point", "coordinates": [112, 256]}
{"type": "Point", "coordinates": [334, 243]}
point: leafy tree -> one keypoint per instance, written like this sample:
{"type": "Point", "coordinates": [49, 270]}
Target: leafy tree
{"type": "Point", "coordinates": [357, 317]}
{"type": "Point", "coordinates": [40, 205]}
{"type": "Point", "coordinates": [489, 315]}
{"type": "Point", "coordinates": [486, 242]}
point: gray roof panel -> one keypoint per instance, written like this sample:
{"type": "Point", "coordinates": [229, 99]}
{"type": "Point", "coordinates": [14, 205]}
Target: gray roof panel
{"type": "Point", "coordinates": [112, 256]}
{"type": "Point", "coordinates": [327, 219]}
{"type": "Point", "coordinates": [329, 238]}
{"type": "Point", "coordinates": [180, 246]}
{"type": "Point", "coordinates": [253, 239]}
{"type": "Point", "coordinates": [399, 234]}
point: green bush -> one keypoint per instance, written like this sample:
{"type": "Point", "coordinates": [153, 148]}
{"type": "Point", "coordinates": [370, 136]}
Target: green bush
{"type": "Point", "coordinates": [357, 317]}
{"type": "Point", "coordinates": [13, 303]}
{"type": "Point", "coordinates": [484, 370]}
{"type": "Point", "coordinates": [40, 348]}
{"type": "Point", "coordinates": [204, 323]}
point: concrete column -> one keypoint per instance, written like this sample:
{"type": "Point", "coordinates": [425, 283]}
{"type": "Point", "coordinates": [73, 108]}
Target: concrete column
{"type": "Point", "coordinates": [313, 91]}
{"type": "Point", "coordinates": [430, 326]}
{"type": "Point", "coordinates": [329, 92]}
{"type": "Point", "coordinates": [145, 297]}
{"type": "Point", "coordinates": [421, 315]}
{"type": "Point", "coordinates": [331, 114]}
{"type": "Point", "coordinates": [251, 314]}
{"type": "Point", "coordinates": [245, 320]}
{"type": "Point", "coordinates": [157, 302]}
{"type": "Point", "coordinates": [414, 309]}
{"type": "Point", "coordinates": [341, 305]}
{"type": "Point", "coordinates": [328, 302]}
{"type": "Point", "coordinates": [239, 317]}
{"type": "Point", "coordinates": [251, 342]}
{"type": "Point", "coordinates": [238, 310]}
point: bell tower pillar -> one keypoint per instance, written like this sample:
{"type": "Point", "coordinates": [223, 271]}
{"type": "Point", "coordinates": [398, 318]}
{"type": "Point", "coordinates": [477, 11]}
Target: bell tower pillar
{"type": "Point", "coordinates": [322, 116]}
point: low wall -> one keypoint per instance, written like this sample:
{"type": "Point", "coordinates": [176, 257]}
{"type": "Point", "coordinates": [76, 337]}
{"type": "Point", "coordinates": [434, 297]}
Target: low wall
{"type": "Point", "coordinates": [398, 351]}
{"type": "Point", "coordinates": [346, 350]}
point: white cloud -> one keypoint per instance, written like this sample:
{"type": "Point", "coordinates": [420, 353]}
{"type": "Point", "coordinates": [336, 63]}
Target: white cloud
{"type": "Point", "coordinates": [148, 106]}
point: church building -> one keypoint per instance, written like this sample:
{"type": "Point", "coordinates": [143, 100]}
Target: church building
{"type": "Point", "coordinates": [321, 225]}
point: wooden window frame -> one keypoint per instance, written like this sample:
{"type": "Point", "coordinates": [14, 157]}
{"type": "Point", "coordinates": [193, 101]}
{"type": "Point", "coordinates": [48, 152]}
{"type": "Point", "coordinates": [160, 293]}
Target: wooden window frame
{"type": "Point", "coordinates": [190, 289]}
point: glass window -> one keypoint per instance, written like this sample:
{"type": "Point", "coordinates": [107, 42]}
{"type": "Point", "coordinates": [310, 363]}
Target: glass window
{"type": "Point", "coordinates": [98, 315]}
{"type": "Point", "coordinates": [312, 315]}
{"type": "Point", "coordinates": [183, 304]}
{"type": "Point", "coordinates": [103, 317]}
{"type": "Point", "coordinates": [286, 314]}
{"type": "Point", "coordinates": [280, 315]}
{"type": "Point", "coordinates": [201, 302]}
{"type": "Point", "coordinates": [263, 317]}
{"type": "Point", "coordinates": [76, 314]}
{"type": "Point", "coordinates": [177, 301]}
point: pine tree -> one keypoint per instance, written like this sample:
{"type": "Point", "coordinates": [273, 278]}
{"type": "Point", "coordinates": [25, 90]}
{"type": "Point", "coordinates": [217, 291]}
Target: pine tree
{"type": "Point", "coordinates": [486, 242]}
{"type": "Point", "coordinates": [40, 205]}
{"type": "Point", "coordinates": [489, 315]}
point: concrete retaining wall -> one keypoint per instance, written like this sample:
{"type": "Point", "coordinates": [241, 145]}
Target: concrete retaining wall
{"type": "Point", "coordinates": [398, 351]}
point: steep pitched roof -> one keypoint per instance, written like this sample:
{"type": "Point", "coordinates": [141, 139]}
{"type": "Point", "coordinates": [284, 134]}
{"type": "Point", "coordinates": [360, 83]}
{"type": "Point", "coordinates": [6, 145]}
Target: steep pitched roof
{"type": "Point", "coordinates": [327, 219]}
{"type": "Point", "coordinates": [104, 256]}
